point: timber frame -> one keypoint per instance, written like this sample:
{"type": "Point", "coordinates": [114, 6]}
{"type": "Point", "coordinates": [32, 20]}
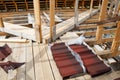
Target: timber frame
{"type": "Point", "coordinates": [52, 5]}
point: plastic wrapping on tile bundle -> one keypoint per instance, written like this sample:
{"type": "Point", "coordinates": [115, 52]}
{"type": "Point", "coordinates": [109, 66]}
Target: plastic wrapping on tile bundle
{"type": "Point", "coordinates": [79, 40]}
{"type": "Point", "coordinates": [77, 57]}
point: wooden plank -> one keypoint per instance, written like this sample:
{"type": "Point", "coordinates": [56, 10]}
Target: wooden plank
{"type": "Point", "coordinates": [3, 34]}
{"type": "Point", "coordinates": [22, 58]}
{"type": "Point", "coordinates": [46, 67]}
{"type": "Point", "coordinates": [30, 73]}
{"type": "Point", "coordinates": [92, 33]}
{"type": "Point", "coordinates": [19, 31]}
{"type": "Point", "coordinates": [55, 70]}
{"type": "Point", "coordinates": [14, 40]}
{"type": "Point", "coordinates": [39, 75]}
{"type": "Point", "coordinates": [67, 25]}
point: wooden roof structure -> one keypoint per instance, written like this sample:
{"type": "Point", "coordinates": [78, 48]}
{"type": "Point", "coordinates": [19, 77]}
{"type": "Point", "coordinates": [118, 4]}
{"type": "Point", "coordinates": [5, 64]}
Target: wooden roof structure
{"type": "Point", "coordinates": [94, 17]}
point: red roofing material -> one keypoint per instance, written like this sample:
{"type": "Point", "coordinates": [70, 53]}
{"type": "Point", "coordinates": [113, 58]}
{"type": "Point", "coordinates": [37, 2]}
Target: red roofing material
{"type": "Point", "coordinates": [97, 69]}
{"type": "Point", "coordinates": [62, 54]}
{"type": "Point", "coordinates": [64, 50]}
{"type": "Point", "coordinates": [64, 57]}
{"type": "Point", "coordinates": [70, 70]}
{"type": "Point", "coordinates": [5, 51]}
{"type": "Point", "coordinates": [117, 78]}
{"type": "Point", "coordinates": [67, 62]}
{"type": "Point", "coordinates": [91, 60]}
{"type": "Point", "coordinates": [58, 47]}
{"type": "Point", "coordinates": [73, 46]}
{"type": "Point", "coordinates": [10, 65]}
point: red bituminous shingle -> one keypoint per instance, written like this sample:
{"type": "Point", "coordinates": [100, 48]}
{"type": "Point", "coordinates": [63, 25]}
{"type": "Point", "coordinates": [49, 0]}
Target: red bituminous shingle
{"type": "Point", "coordinates": [97, 69]}
{"type": "Point", "coordinates": [70, 70]}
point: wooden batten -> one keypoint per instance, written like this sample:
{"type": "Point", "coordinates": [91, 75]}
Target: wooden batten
{"type": "Point", "coordinates": [52, 19]}
{"type": "Point", "coordinates": [1, 23]}
{"type": "Point", "coordinates": [116, 41]}
{"type": "Point", "coordinates": [14, 41]}
{"type": "Point", "coordinates": [38, 30]}
{"type": "Point", "coordinates": [101, 17]}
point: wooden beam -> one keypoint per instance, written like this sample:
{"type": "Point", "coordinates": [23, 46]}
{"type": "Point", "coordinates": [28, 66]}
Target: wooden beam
{"type": "Point", "coordinates": [38, 30]}
{"type": "Point", "coordinates": [101, 17]}
{"type": "Point", "coordinates": [116, 41]}
{"type": "Point", "coordinates": [9, 14]}
{"type": "Point", "coordinates": [83, 4]}
{"type": "Point", "coordinates": [52, 19]}
{"type": "Point", "coordinates": [76, 12]}
{"type": "Point", "coordinates": [14, 41]}
{"type": "Point", "coordinates": [1, 23]}
{"type": "Point", "coordinates": [92, 33]}
{"type": "Point", "coordinates": [87, 26]}
{"type": "Point", "coordinates": [3, 34]}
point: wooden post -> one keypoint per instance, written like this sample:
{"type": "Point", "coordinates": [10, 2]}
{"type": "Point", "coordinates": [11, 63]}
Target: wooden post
{"type": "Point", "coordinates": [38, 30]}
{"type": "Point", "coordinates": [76, 12]}
{"type": "Point", "coordinates": [91, 5]}
{"type": "Point", "coordinates": [99, 6]}
{"type": "Point", "coordinates": [83, 4]}
{"type": "Point", "coordinates": [116, 41]}
{"type": "Point", "coordinates": [26, 3]}
{"type": "Point", "coordinates": [1, 23]}
{"type": "Point", "coordinates": [101, 17]}
{"type": "Point", "coordinates": [52, 19]}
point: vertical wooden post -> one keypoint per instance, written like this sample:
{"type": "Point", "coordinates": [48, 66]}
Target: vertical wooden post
{"type": "Point", "coordinates": [52, 19]}
{"type": "Point", "coordinates": [101, 17]}
{"type": "Point", "coordinates": [76, 12]}
{"type": "Point", "coordinates": [99, 6]}
{"type": "Point", "coordinates": [116, 41]}
{"type": "Point", "coordinates": [38, 30]}
{"type": "Point", "coordinates": [1, 23]}
{"type": "Point", "coordinates": [83, 4]}
{"type": "Point", "coordinates": [16, 7]}
{"type": "Point", "coordinates": [26, 3]}
{"type": "Point", "coordinates": [91, 6]}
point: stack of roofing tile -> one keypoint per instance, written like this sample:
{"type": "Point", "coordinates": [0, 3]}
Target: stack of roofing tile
{"type": "Point", "coordinates": [94, 66]}
{"type": "Point", "coordinates": [65, 61]}
{"type": "Point", "coordinates": [5, 51]}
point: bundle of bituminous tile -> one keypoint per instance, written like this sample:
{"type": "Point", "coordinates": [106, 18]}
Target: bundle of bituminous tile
{"type": "Point", "coordinates": [94, 66]}
{"type": "Point", "coordinates": [65, 61]}
{"type": "Point", "coordinates": [5, 51]}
